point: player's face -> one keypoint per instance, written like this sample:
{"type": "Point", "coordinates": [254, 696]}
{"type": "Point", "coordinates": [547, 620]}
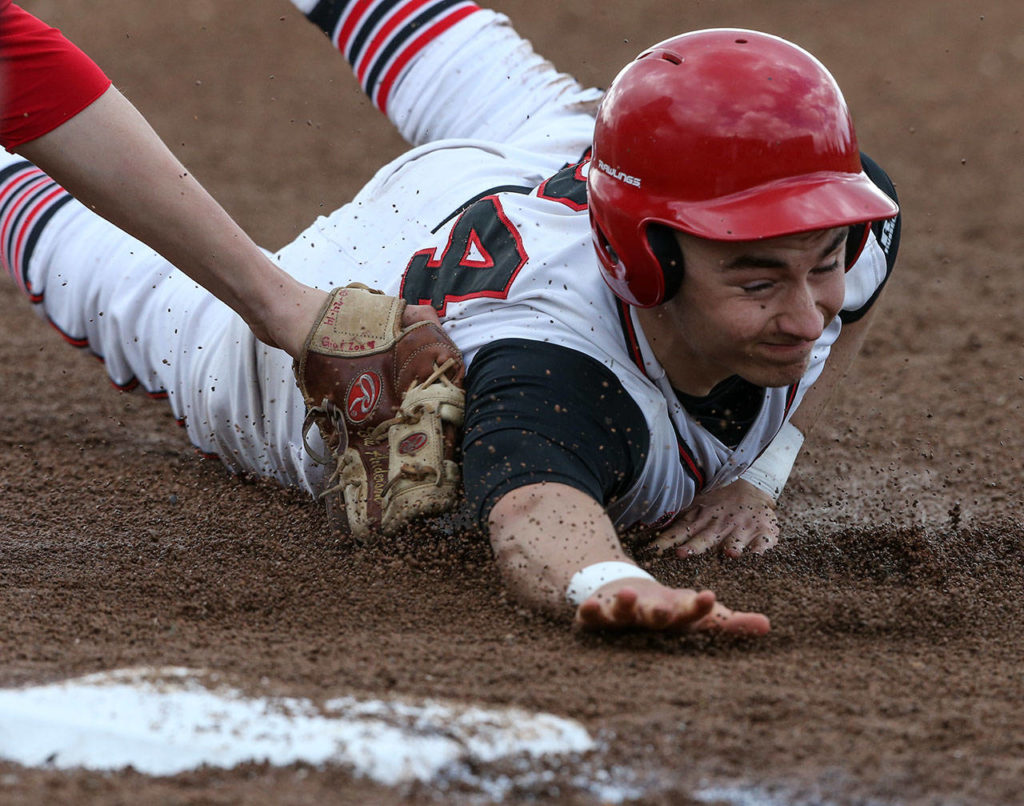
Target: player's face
{"type": "Point", "coordinates": [748, 308]}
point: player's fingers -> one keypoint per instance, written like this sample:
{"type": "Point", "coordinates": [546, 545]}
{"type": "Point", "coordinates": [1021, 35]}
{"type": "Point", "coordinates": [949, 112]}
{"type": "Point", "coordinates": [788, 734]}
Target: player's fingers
{"type": "Point", "coordinates": [706, 518]}
{"type": "Point", "coordinates": [756, 541]}
{"type": "Point", "coordinates": [590, 614]}
{"type": "Point", "coordinates": [657, 617]}
{"type": "Point", "coordinates": [678, 533]}
{"type": "Point", "coordinates": [763, 542]}
{"type": "Point", "coordinates": [687, 611]}
{"type": "Point", "coordinates": [700, 606]}
{"type": "Point", "coordinates": [757, 536]}
{"type": "Point", "coordinates": [623, 607]}
{"type": "Point", "coordinates": [691, 514]}
{"type": "Point", "coordinates": [672, 611]}
{"type": "Point", "coordinates": [703, 539]}
{"type": "Point", "coordinates": [616, 612]}
{"type": "Point", "coordinates": [670, 538]}
{"type": "Point", "coordinates": [734, 622]}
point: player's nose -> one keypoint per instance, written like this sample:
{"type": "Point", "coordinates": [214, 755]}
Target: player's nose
{"type": "Point", "coordinates": [801, 316]}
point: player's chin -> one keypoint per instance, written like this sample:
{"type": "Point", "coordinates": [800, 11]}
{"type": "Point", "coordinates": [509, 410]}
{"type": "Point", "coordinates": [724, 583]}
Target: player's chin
{"type": "Point", "coordinates": [774, 374]}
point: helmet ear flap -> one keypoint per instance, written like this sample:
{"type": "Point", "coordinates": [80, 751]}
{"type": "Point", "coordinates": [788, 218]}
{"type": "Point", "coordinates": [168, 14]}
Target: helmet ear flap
{"type": "Point", "coordinates": [603, 245]}
{"type": "Point", "coordinates": [666, 250]}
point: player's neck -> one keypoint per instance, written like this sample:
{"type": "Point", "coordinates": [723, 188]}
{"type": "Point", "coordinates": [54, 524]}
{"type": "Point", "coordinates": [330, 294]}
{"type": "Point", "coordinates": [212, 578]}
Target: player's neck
{"type": "Point", "coordinates": [687, 371]}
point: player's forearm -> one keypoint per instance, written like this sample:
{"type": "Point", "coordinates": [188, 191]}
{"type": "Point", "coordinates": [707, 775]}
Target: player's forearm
{"type": "Point", "coordinates": [111, 159]}
{"type": "Point", "coordinates": [542, 534]}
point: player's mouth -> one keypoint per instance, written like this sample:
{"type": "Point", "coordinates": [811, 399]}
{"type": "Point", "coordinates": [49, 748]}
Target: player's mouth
{"type": "Point", "coordinates": [787, 353]}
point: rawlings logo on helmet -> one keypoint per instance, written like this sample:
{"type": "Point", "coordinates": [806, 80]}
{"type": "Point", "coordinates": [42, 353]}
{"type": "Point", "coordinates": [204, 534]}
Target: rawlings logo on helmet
{"type": "Point", "coordinates": [614, 173]}
{"type": "Point", "coordinates": [412, 444]}
{"type": "Point", "coordinates": [363, 395]}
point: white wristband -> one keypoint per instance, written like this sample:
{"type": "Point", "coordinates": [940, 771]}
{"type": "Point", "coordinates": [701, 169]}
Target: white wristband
{"type": "Point", "coordinates": [773, 466]}
{"type": "Point", "coordinates": [584, 583]}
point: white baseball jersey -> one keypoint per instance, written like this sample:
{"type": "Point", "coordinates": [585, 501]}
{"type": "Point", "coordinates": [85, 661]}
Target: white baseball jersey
{"type": "Point", "coordinates": [486, 218]}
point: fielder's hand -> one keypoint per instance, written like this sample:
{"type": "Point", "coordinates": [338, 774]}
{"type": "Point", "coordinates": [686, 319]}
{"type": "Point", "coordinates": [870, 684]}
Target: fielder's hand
{"type": "Point", "coordinates": [383, 384]}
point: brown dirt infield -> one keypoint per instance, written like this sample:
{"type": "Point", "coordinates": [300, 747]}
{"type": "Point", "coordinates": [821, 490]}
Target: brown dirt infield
{"type": "Point", "coordinates": [893, 673]}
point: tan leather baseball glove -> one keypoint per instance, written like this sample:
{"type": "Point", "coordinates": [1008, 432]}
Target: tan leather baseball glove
{"type": "Point", "coordinates": [389, 403]}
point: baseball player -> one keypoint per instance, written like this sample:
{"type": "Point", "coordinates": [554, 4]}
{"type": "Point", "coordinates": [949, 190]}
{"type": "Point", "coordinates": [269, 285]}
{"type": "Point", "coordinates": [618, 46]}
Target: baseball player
{"type": "Point", "coordinates": [654, 289]}
{"type": "Point", "coordinates": [59, 110]}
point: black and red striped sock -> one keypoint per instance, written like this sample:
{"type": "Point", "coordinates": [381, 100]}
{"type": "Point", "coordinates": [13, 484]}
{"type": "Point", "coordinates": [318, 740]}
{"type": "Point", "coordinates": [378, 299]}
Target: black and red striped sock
{"type": "Point", "coordinates": [380, 37]}
{"type": "Point", "coordinates": [28, 200]}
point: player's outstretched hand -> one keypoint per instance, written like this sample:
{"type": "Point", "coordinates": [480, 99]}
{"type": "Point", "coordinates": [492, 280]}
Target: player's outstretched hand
{"type": "Point", "coordinates": [736, 518]}
{"type": "Point", "coordinates": [638, 604]}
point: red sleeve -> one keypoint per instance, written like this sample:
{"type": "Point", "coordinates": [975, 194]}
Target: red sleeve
{"type": "Point", "coordinates": [44, 79]}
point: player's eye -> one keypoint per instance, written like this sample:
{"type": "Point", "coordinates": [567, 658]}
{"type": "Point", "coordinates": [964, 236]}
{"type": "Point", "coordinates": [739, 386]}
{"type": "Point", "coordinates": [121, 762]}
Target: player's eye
{"type": "Point", "coordinates": [826, 269]}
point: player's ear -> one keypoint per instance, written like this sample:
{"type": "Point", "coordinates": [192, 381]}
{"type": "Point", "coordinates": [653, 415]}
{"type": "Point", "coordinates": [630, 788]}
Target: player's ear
{"type": "Point", "coordinates": [666, 250]}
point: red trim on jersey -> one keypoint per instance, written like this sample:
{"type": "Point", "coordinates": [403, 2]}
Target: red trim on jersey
{"type": "Point", "coordinates": [181, 421]}
{"type": "Point", "coordinates": [414, 47]}
{"type": "Point", "coordinates": [633, 345]}
{"type": "Point", "coordinates": [632, 342]}
{"type": "Point", "coordinates": [128, 386]}
{"type": "Point", "coordinates": [29, 183]}
{"type": "Point", "coordinates": [542, 188]}
{"type": "Point", "coordinates": [131, 386]}
{"type": "Point", "coordinates": [473, 243]}
{"type": "Point", "coordinates": [790, 397]}
{"type": "Point", "coordinates": [691, 464]}
{"type": "Point", "coordinates": [436, 260]}
{"type": "Point", "coordinates": [44, 79]}
{"type": "Point", "coordinates": [79, 342]}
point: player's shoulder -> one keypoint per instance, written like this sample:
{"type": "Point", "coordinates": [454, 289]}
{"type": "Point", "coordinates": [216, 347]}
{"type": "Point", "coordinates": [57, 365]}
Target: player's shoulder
{"type": "Point", "coordinates": [568, 186]}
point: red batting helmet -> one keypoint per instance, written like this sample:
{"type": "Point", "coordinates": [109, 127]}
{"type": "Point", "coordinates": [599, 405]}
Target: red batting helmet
{"type": "Point", "coordinates": [725, 134]}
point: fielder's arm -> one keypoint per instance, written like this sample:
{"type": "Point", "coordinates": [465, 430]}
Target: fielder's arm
{"type": "Point", "coordinates": [110, 158]}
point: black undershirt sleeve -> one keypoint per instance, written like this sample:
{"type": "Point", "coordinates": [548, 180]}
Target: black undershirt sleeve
{"type": "Point", "coordinates": [540, 412]}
